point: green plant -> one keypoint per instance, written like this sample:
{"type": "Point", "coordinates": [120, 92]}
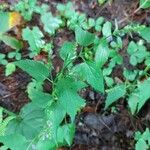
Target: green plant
{"type": "Point", "coordinates": [50, 23]}
{"type": "Point", "coordinates": [3, 60]}
{"type": "Point", "coordinates": [143, 140]}
{"type": "Point", "coordinates": [15, 54]}
{"type": "Point", "coordinates": [137, 52]}
{"type": "Point", "coordinates": [47, 122]}
{"type": "Point", "coordinates": [26, 7]}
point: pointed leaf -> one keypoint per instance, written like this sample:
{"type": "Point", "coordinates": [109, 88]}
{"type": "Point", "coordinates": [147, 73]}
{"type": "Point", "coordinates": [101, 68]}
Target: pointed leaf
{"type": "Point", "coordinates": [68, 51]}
{"type": "Point", "coordinates": [50, 23]}
{"type": "Point", "coordinates": [11, 41]}
{"type": "Point", "coordinates": [84, 38]}
{"type": "Point", "coordinates": [34, 38]}
{"type": "Point", "coordinates": [102, 53]}
{"type": "Point", "coordinates": [144, 4]}
{"type": "Point", "coordinates": [144, 33]}
{"type": "Point", "coordinates": [139, 97]}
{"type": "Point", "coordinates": [40, 98]}
{"type": "Point", "coordinates": [37, 70]}
{"type": "Point", "coordinates": [114, 94]}
{"type": "Point", "coordinates": [88, 71]}
{"type": "Point", "coordinates": [69, 100]}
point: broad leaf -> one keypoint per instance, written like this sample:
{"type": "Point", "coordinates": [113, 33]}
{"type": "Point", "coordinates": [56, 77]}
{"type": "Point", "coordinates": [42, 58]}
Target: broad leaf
{"type": "Point", "coordinates": [34, 38]}
{"type": "Point", "coordinates": [144, 4]}
{"type": "Point", "coordinates": [29, 123]}
{"type": "Point", "coordinates": [89, 72]}
{"type": "Point", "coordinates": [84, 38]}
{"type": "Point", "coordinates": [114, 94]}
{"type": "Point", "coordinates": [140, 95]}
{"type": "Point", "coordinates": [68, 98]}
{"type": "Point", "coordinates": [37, 70]}
{"type": "Point", "coordinates": [144, 33]}
{"type": "Point", "coordinates": [14, 141]}
{"type": "Point", "coordinates": [46, 144]}
{"type": "Point", "coordinates": [54, 119]}
{"type": "Point", "coordinates": [11, 41]}
{"type": "Point", "coordinates": [65, 134]}
{"type": "Point", "coordinates": [102, 53]}
{"type": "Point", "coordinates": [68, 51]}
{"type": "Point", "coordinates": [26, 7]}
{"type": "Point", "coordinates": [141, 144]}
{"type": "Point", "coordinates": [50, 23]}
{"type": "Point", "coordinates": [40, 98]}
{"type": "Point", "coordinates": [71, 102]}
{"type": "Point", "coordinates": [106, 30]}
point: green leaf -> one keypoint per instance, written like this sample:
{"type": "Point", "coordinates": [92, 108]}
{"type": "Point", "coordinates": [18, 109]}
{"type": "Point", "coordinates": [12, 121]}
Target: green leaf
{"type": "Point", "coordinates": [68, 51]}
{"type": "Point", "coordinates": [144, 4]}
{"type": "Point", "coordinates": [69, 100]}
{"type": "Point", "coordinates": [101, 1]}
{"type": "Point", "coordinates": [102, 53]}
{"type": "Point", "coordinates": [14, 141]}
{"type": "Point", "coordinates": [55, 118]}
{"type": "Point", "coordinates": [29, 123]}
{"type": "Point", "coordinates": [106, 30]}
{"type": "Point", "coordinates": [51, 24]}
{"type": "Point", "coordinates": [4, 122]}
{"type": "Point", "coordinates": [10, 68]}
{"type": "Point", "coordinates": [26, 7]}
{"type": "Point", "coordinates": [11, 41]}
{"type": "Point", "coordinates": [40, 98]}
{"type": "Point", "coordinates": [65, 134]}
{"type": "Point", "coordinates": [46, 145]}
{"type": "Point", "coordinates": [130, 75]}
{"type": "Point", "coordinates": [88, 71]}
{"type": "Point", "coordinates": [132, 48]}
{"type": "Point", "coordinates": [141, 144]}
{"type": "Point", "coordinates": [144, 33]}
{"type": "Point", "coordinates": [37, 70]}
{"type": "Point", "coordinates": [140, 95]}
{"type": "Point", "coordinates": [133, 102]}
{"type": "Point", "coordinates": [114, 94]}
{"type": "Point", "coordinates": [4, 25]}
{"type": "Point", "coordinates": [34, 38]}
{"type": "Point", "coordinates": [146, 134]}
{"type": "Point", "coordinates": [84, 38]}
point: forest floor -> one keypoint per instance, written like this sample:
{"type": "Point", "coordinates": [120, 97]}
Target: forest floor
{"type": "Point", "coordinates": [95, 128]}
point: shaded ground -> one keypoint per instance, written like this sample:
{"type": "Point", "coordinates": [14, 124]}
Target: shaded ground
{"type": "Point", "coordinates": [95, 129]}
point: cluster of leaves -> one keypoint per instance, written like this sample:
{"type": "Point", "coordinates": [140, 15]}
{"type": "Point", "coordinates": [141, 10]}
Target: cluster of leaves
{"type": "Point", "coordinates": [47, 122]}
{"type": "Point", "coordinates": [143, 140]}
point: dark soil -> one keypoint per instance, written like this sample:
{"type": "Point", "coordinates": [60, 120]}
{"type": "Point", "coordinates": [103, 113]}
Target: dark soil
{"type": "Point", "coordinates": [95, 129]}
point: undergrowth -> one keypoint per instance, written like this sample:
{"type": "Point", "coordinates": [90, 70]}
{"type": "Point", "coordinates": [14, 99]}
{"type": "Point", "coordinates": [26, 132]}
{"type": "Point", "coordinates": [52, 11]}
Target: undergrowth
{"type": "Point", "coordinates": [47, 122]}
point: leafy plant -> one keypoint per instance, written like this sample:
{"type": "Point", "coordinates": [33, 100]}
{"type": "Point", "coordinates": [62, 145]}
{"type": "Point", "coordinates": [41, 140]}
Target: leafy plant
{"type": "Point", "coordinates": [47, 121]}
{"type": "Point", "coordinates": [15, 54]}
{"type": "Point", "coordinates": [143, 140]}
{"type": "Point", "coordinates": [34, 37]}
{"type": "Point", "coordinates": [50, 23]}
{"type": "Point", "coordinates": [3, 60]}
{"type": "Point", "coordinates": [138, 53]}
{"type": "Point", "coordinates": [139, 96]}
{"type": "Point", "coordinates": [26, 7]}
